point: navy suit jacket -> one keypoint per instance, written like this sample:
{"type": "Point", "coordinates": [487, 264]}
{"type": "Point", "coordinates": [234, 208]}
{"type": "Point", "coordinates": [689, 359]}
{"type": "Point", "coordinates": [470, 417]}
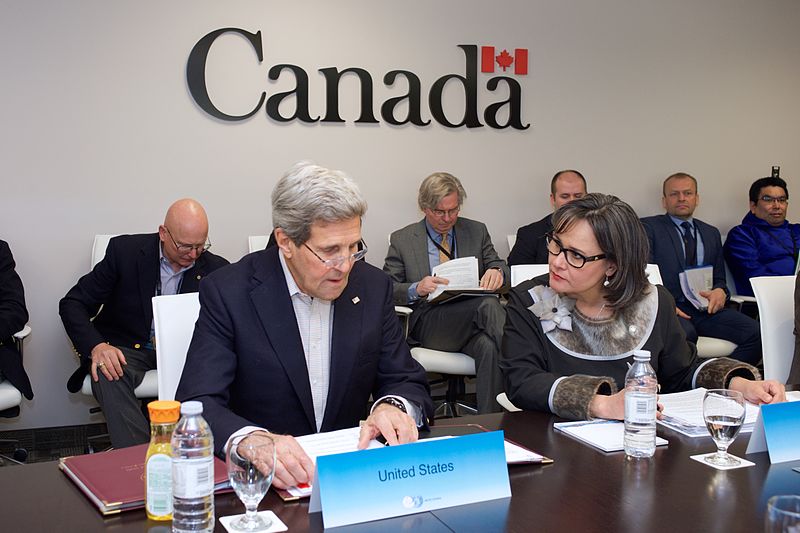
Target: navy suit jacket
{"type": "Point", "coordinates": [666, 250]}
{"type": "Point", "coordinates": [247, 365]}
{"type": "Point", "coordinates": [124, 284]}
{"type": "Point", "coordinates": [13, 316]}
{"type": "Point", "coordinates": [530, 247]}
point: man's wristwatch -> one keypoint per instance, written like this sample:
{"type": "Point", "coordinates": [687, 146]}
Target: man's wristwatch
{"type": "Point", "coordinates": [394, 402]}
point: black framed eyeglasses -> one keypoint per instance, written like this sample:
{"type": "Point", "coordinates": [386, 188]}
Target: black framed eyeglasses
{"type": "Point", "coordinates": [574, 258]}
{"type": "Point", "coordinates": [186, 248]}
{"type": "Point", "coordinates": [337, 262]}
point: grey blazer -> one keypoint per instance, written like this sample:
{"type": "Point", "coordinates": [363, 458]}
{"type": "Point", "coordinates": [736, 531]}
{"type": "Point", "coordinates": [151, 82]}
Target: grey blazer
{"type": "Point", "coordinates": [407, 258]}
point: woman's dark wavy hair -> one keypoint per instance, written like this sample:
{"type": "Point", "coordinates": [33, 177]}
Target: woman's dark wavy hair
{"type": "Point", "coordinates": [621, 237]}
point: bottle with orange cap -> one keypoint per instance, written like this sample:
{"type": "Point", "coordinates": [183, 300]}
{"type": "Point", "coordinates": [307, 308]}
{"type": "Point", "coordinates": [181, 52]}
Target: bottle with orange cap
{"type": "Point", "coordinates": [158, 461]}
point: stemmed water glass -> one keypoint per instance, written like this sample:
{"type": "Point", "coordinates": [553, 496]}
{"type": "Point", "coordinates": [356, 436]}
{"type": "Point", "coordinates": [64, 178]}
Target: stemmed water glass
{"type": "Point", "coordinates": [251, 467]}
{"type": "Point", "coordinates": [723, 412]}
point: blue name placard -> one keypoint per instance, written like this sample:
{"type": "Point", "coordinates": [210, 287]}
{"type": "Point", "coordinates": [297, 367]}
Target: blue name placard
{"type": "Point", "coordinates": [782, 430]}
{"type": "Point", "coordinates": [412, 478]}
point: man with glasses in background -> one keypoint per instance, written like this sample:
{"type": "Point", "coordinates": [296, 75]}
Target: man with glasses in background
{"type": "Point", "coordinates": [472, 325]}
{"type": "Point", "coordinates": [764, 244]}
{"type": "Point", "coordinates": [294, 339]}
{"type": "Point", "coordinates": [117, 345]}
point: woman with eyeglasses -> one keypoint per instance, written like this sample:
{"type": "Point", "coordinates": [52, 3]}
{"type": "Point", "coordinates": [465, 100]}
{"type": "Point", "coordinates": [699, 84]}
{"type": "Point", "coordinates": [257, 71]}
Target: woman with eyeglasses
{"type": "Point", "coordinates": [570, 335]}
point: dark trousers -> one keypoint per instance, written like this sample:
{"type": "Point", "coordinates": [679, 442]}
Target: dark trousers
{"type": "Point", "coordinates": [474, 326]}
{"type": "Point", "coordinates": [726, 324]}
{"type": "Point", "coordinates": [126, 423]}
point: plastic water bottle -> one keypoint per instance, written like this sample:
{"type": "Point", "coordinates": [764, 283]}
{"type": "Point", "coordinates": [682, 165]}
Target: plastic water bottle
{"type": "Point", "coordinates": [641, 391]}
{"type": "Point", "coordinates": [192, 471]}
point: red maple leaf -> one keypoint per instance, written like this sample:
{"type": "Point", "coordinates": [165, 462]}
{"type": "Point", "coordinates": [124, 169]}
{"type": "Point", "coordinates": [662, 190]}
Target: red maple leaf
{"type": "Point", "coordinates": [504, 59]}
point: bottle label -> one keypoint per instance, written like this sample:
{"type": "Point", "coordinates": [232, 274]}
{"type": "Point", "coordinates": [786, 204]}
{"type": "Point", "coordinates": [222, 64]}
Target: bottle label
{"type": "Point", "coordinates": [159, 485]}
{"type": "Point", "coordinates": [193, 478]}
{"type": "Point", "coordinates": [640, 408]}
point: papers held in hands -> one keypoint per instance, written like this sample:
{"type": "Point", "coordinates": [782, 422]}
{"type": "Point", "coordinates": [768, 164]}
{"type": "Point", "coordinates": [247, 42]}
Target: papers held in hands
{"type": "Point", "coordinates": [694, 280]}
{"type": "Point", "coordinates": [462, 273]}
{"type": "Point", "coordinates": [605, 435]}
{"type": "Point", "coordinates": [683, 412]}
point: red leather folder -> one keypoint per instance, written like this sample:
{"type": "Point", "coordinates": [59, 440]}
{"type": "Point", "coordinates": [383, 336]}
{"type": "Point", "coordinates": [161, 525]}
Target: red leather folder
{"type": "Point", "coordinates": [114, 480]}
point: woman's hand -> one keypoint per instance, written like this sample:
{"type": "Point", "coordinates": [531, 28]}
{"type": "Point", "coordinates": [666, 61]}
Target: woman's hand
{"type": "Point", "coordinates": [758, 392]}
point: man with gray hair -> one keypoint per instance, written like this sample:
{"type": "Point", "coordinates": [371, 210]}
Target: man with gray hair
{"type": "Point", "coordinates": [294, 339]}
{"type": "Point", "coordinates": [471, 325]}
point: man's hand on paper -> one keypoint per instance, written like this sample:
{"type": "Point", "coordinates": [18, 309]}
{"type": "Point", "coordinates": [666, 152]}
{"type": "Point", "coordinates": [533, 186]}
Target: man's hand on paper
{"type": "Point", "coordinates": [758, 392]}
{"type": "Point", "coordinates": [716, 299]}
{"type": "Point", "coordinates": [492, 279]}
{"type": "Point", "coordinates": [428, 284]}
{"type": "Point", "coordinates": [293, 466]}
{"type": "Point", "coordinates": [109, 360]}
{"type": "Point", "coordinates": [395, 426]}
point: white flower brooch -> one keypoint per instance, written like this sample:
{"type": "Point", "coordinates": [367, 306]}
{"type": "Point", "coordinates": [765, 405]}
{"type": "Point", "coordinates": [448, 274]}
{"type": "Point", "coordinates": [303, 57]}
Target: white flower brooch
{"type": "Point", "coordinates": [552, 310]}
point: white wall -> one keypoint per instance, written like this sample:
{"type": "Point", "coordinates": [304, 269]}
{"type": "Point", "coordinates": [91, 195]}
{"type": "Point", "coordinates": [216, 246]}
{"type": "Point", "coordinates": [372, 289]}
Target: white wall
{"type": "Point", "coordinates": [99, 134]}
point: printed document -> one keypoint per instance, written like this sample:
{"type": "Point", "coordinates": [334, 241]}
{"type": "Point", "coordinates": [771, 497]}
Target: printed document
{"type": "Point", "coordinates": [694, 280]}
{"type": "Point", "coordinates": [462, 274]}
{"type": "Point", "coordinates": [605, 435]}
{"type": "Point", "coordinates": [683, 412]}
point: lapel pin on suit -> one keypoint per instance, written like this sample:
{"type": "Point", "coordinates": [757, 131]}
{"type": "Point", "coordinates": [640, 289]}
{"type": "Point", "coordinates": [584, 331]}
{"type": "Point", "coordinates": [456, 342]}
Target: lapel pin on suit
{"type": "Point", "coordinates": [198, 277]}
{"type": "Point", "coordinates": [355, 300]}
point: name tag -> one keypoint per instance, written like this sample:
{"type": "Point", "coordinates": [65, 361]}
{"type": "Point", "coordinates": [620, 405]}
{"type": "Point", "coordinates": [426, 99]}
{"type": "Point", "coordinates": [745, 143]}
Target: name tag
{"type": "Point", "coordinates": [777, 430]}
{"type": "Point", "coordinates": [356, 487]}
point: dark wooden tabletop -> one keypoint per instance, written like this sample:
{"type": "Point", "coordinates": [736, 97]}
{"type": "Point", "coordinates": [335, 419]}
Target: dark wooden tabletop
{"type": "Point", "coordinates": [583, 490]}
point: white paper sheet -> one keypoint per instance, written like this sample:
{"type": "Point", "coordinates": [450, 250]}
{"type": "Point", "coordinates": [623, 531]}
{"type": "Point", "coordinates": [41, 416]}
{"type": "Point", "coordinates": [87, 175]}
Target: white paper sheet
{"type": "Point", "coordinates": [683, 412]}
{"type": "Point", "coordinates": [462, 273]}
{"type": "Point", "coordinates": [605, 435]}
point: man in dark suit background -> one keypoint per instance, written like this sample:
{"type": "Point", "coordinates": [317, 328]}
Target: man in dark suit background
{"type": "Point", "coordinates": [530, 247]}
{"type": "Point", "coordinates": [677, 242]}
{"type": "Point", "coordinates": [473, 325]}
{"type": "Point", "coordinates": [294, 339]}
{"type": "Point", "coordinates": [117, 346]}
{"type": "Point", "coordinates": [13, 316]}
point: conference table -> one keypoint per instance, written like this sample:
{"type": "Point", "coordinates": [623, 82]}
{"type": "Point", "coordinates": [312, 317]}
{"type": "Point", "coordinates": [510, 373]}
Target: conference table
{"type": "Point", "coordinates": [584, 489]}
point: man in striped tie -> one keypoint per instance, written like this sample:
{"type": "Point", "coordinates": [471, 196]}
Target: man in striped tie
{"type": "Point", "coordinates": [470, 325]}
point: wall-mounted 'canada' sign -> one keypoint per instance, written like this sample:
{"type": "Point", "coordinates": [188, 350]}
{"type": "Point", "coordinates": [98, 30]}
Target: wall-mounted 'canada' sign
{"type": "Point", "coordinates": [500, 114]}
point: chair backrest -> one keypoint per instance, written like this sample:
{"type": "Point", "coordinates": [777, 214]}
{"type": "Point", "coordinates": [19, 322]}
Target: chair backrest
{"type": "Point", "coordinates": [99, 248]}
{"type": "Point", "coordinates": [174, 317]}
{"type": "Point", "coordinates": [520, 273]}
{"type": "Point", "coordinates": [257, 242]}
{"type": "Point", "coordinates": [512, 240]}
{"type": "Point", "coordinates": [653, 274]}
{"type": "Point", "coordinates": [775, 297]}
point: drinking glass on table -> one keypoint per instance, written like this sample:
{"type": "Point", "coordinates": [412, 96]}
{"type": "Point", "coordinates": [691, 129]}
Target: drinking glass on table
{"type": "Point", "coordinates": [783, 514]}
{"type": "Point", "coordinates": [723, 412]}
{"type": "Point", "coordinates": [251, 468]}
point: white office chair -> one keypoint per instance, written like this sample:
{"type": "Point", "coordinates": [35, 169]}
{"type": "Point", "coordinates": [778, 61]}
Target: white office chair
{"type": "Point", "coordinates": [174, 318]}
{"type": "Point", "coordinates": [257, 242]}
{"type": "Point", "coordinates": [148, 388]}
{"type": "Point", "coordinates": [520, 273]}
{"type": "Point", "coordinates": [506, 404]}
{"type": "Point", "coordinates": [453, 366]}
{"type": "Point", "coordinates": [775, 297]}
{"type": "Point", "coordinates": [512, 240]}
{"type": "Point", "coordinates": [10, 397]}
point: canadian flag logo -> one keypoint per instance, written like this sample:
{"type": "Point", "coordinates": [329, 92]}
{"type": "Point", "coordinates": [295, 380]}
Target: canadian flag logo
{"type": "Point", "coordinates": [504, 60]}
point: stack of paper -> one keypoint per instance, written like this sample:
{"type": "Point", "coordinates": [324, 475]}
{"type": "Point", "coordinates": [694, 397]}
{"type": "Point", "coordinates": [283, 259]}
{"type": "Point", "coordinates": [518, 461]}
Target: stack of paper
{"type": "Point", "coordinates": [694, 280]}
{"type": "Point", "coordinates": [606, 435]}
{"type": "Point", "coordinates": [683, 412]}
